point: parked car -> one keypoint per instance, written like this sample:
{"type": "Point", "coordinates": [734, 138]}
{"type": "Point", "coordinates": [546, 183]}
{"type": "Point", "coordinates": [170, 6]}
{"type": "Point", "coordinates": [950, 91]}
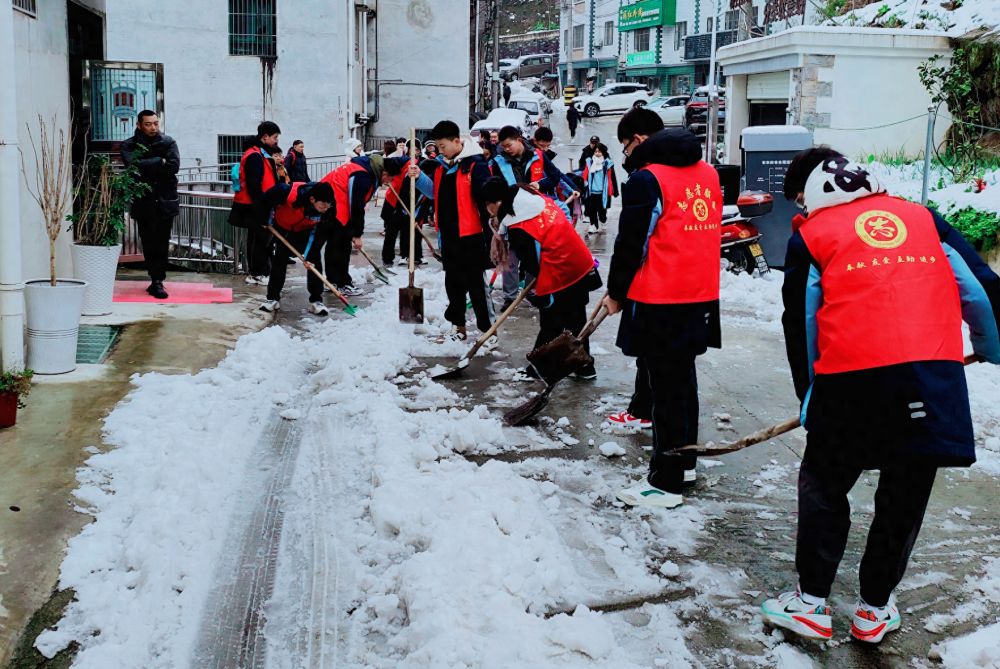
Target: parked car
{"type": "Point", "coordinates": [536, 108]}
{"type": "Point", "coordinates": [671, 109]}
{"type": "Point", "coordinates": [696, 112]}
{"type": "Point", "coordinates": [536, 65]}
{"type": "Point", "coordinates": [614, 97]}
{"type": "Point", "coordinates": [504, 64]}
{"type": "Point", "coordinates": [499, 118]}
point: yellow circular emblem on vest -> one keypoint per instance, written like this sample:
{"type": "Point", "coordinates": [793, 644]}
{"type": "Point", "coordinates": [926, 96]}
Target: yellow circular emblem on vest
{"type": "Point", "coordinates": [700, 210]}
{"type": "Point", "coordinates": [881, 229]}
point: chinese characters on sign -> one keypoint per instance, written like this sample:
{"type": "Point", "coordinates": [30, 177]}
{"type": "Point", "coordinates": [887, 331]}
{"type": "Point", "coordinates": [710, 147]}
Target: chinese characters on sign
{"type": "Point", "coordinates": [647, 13]}
{"type": "Point", "coordinates": [780, 10]}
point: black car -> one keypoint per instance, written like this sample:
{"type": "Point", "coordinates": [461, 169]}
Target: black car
{"type": "Point", "coordinates": [696, 114]}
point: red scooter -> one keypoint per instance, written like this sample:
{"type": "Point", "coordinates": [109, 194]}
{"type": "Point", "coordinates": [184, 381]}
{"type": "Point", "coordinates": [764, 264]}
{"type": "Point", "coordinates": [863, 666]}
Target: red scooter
{"type": "Point", "coordinates": [740, 236]}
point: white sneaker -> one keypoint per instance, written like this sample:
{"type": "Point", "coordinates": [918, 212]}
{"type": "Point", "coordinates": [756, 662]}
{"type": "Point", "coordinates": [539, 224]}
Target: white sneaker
{"type": "Point", "coordinates": [870, 624]}
{"type": "Point", "coordinates": [690, 475]}
{"type": "Point", "coordinates": [491, 343]}
{"type": "Point", "coordinates": [792, 613]}
{"type": "Point", "coordinates": [457, 335]}
{"type": "Point", "coordinates": [270, 306]}
{"type": "Point", "coordinates": [319, 309]}
{"type": "Point", "coordinates": [257, 280]}
{"type": "Point", "coordinates": [593, 230]}
{"type": "Point", "coordinates": [646, 495]}
{"type": "Point", "coordinates": [351, 291]}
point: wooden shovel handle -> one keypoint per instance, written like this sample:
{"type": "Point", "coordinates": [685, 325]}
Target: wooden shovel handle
{"type": "Point", "coordinates": [416, 227]}
{"type": "Point", "coordinates": [496, 325]}
{"type": "Point", "coordinates": [309, 266]}
{"type": "Point", "coordinates": [593, 314]}
{"type": "Point", "coordinates": [591, 325]}
{"type": "Point", "coordinates": [369, 259]}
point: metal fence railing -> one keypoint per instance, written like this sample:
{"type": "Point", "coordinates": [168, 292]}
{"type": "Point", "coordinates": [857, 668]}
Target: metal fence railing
{"type": "Point", "coordinates": [216, 178]}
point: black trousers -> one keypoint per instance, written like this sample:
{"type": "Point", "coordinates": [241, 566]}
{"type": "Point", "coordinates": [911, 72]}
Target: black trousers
{"type": "Point", "coordinates": [258, 250]}
{"type": "Point", "coordinates": [400, 227]}
{"type": "Point", "coordinates": [560, 316]}
{"type": "Point", "coordinates": [641, 405]}
{"type": "Point", "coordinates": [673, 382]}
{"type": "Point", "coordinates": [337, 255]}
{"type": "Point", "coordinates": [459, 281]}
{"type": "Point", "coordinates": [825, 521]}
{"type": "Point", "coordinates": [595, 209]}
{"type": "Point", "coordinates": [155, 237]}
{"type": "Point", "coordinates": [279, 267]}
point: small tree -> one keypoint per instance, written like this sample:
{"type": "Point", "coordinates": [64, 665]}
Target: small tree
{"type": "Point", "coordinates": [53, 189]}
{"type": "Point", "coordinates": [952, 86]}
{"type": "Point", "coordinates": [103, 199]}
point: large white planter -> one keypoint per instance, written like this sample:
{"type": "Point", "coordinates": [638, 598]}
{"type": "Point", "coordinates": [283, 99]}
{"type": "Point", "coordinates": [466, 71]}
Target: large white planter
{"type": "Point", "coordinates": [53, 323]}
{"type": "Point", "coordinates": [97, 265]}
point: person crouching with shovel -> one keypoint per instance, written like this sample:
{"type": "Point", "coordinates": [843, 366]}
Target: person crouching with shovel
{"type": "Point", "coordinates": [664, 279]}
{"type": "Point", "coordinates": [535, 228]}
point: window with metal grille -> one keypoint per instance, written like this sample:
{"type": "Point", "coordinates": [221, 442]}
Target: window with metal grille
{"type": "Point", "coordinates": [642, 39]}
{"type": "Point", "coordinates": [26, 6]}
{"type": "Point", "coordinates": [609, 33]}
{"type": "Point", "coordinates": [732, 19]}
{"type": "Point", "coordinates": [578, 36]}
{"type": "Point", "coordinates": [252, 28]}
{"type": "Point", "coordinates": [231, 148]}
{"type": "Point", "coordinates": [680, 32]}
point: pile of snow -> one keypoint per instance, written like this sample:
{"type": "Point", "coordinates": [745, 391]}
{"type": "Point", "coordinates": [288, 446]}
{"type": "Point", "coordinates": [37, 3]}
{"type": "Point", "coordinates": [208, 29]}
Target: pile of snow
{"type": "Point", "coordinates": [924, 15]}
{"type": "Point", "coordinates": [907, 181]}
{"type": "Point", "coordinates": [758, 295]}
{"type": "Point", "coordinates": [979, 650]}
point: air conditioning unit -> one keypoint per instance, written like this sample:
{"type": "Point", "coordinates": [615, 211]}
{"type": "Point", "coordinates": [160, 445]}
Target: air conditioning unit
{"type": "Point", "coordinates": [598, 44]}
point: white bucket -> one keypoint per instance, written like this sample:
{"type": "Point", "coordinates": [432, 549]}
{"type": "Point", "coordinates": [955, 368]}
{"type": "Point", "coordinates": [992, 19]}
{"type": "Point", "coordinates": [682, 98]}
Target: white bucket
{"type": "Point", "coordinates": [97, 265]}
{"type": "Point", "coordinates": [53, 323]}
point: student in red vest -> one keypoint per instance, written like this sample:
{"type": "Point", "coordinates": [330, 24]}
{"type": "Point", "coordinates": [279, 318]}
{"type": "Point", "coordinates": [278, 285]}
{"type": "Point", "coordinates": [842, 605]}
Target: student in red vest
{"type": "Point", "coordinates": [296, 211]}
{"type": "Point", "coordinates": [537, 229]}
{"type": "Point", "coordinates": [457, 176]}
{"type": "Point", "coordinates": [396, 218]}
{"type": "Point", "coordinates": [256, 175]}
{"type": "Point", "coordinates": [876, 289]}
{"type": "Point", "coordinates": [354, 185]}
{"type": "Point", "coordinates": [664, 279]}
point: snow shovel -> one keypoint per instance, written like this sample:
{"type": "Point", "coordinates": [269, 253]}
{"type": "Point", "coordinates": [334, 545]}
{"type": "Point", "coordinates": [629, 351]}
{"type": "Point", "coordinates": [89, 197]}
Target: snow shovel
{"type": "Point", "coordinates": [434, 252]}
{"type": "Point", "coordinates": [411, 299]}
{"type": "Point", "coordinates": [765, 434]}
{"type": "Point", "coordinates": [380, 271]}
{"type": "Point", "coordinates": [463, 362]}
{"type": "Point", "coordinates": [554, 362]}
{"type": "Point", "coordinates": [348, 307]}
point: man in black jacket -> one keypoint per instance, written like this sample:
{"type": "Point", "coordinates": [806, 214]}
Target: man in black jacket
{"type": "Point", "coordinates": [664, 279]}
{"type": "Point", "coordinates": [295, 163]}
{"type": "Point", "coordinates": [588, 151]}
{"type": "Point", "coordinates": [256, 175]}
{"type": "Point", "coordinates": [158, 160]}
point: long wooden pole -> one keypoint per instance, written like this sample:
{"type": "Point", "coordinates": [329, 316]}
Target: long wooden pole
{"type": "Point", "coordinates": [413, 199]}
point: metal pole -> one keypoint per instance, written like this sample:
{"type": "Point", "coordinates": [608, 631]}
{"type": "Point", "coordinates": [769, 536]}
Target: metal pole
{"type": "Point", "coordinates": [496, 54]}
{"type": "Point", "coordinates": [927, 154]}
{"type": "Point", "coordinates": [712, 127]}
{"type": "Point", "coordinates": [11, 285]}
{"type": "Point", "coordinates": [569, 49]}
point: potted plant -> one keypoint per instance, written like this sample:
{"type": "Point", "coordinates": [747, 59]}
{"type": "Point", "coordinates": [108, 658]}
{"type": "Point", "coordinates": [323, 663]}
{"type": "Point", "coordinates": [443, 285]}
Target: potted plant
{"type": "Point", "coordinates": [13, 386]}
{"type": "Point", "coordinates": [52, 305]}
{"type": "Point", "coordinates": [103, 197]}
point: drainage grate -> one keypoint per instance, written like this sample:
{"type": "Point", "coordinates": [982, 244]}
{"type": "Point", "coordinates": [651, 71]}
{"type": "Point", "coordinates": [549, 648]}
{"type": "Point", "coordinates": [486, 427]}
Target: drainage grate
{"type": "Point", "coordinates": [94, 343]}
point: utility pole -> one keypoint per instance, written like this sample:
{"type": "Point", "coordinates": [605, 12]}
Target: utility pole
{"type": "Point", "coordinates": [712, 127]}
{"type": "Point", "coordinates": [11, 286]}
{"type": "Point", "coordinates": [496, 54]}
{"type": "Point", "coordinates": [569, 46]}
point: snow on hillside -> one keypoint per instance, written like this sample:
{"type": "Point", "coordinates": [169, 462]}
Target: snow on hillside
{"type": "Point", "coordinates": [924, 15]}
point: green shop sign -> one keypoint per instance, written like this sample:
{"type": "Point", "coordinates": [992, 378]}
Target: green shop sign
{"type": "Point", "coordinates": [642, 58]}
{"type": "Point", "coordinates": [647, 13]}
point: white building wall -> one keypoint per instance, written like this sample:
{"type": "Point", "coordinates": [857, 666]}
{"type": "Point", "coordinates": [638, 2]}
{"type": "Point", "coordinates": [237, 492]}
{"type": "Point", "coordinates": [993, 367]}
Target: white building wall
{"type": "Point", "coordinates": [423, 64]}
{"type": "Point", "coordinates": [208, 93]}
{"type": "Point", "coordinates": [41, 52]}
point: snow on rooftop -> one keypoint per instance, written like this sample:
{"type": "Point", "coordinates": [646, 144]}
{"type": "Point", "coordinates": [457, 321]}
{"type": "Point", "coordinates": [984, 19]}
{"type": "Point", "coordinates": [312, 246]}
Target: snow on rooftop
{"type": "Point", "coordinates": [930, 16]}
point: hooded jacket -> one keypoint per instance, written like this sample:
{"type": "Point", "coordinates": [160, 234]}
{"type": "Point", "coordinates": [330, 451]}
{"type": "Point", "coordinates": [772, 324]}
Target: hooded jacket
{"type": "Point", "coordinates": [656, 329]}
{"type": "Point", "coordinates": [356, 190]}
{"type": "Point", "coordinates": [158, 166]}
{"type": "Point", "coordinates": [894, 395]}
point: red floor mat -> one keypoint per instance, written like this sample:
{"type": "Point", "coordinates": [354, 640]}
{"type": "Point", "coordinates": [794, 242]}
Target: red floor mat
{"type": "Point", "coordinates": [180, 293]}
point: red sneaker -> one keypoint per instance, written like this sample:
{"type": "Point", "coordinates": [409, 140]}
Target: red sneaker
{"type": "Point", "coordinates": [626, 419]}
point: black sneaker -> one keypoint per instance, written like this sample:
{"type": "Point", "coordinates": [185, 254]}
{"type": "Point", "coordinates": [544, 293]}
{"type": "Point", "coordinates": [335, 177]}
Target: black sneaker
{"type": "Point", "coordinates": [506, 305]}
{"type": "Point", "coordinates": [156, 290]}
{"type": "Point", "coordinates": [588, 373]}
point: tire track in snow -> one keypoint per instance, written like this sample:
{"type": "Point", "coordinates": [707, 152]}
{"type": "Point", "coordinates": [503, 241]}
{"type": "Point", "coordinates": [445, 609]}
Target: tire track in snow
{"type": "Point", "coordinates": [231, 629]}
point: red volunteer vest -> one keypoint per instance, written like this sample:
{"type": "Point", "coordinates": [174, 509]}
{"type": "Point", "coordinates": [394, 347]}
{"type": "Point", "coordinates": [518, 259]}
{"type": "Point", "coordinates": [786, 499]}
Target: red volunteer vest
{"type": "Point", "coordinates": [682, 259]}
{"type": "Point", "coordinates": [469, 222]}
{"type": "Point", "coordinates": [290, 217]}
{"type": "Point", "coordinates": [339, 179]}
{"type": "Point", "coordinates": [538, 168]}
{"type": "Point", "coordinates": [243, 196]}
{"type": "Point", "coordinates": [397, 184]}
{"type": "Point", "coordinates": [889, 293]}
{"type": "Point", "coordinates": [565, 258]}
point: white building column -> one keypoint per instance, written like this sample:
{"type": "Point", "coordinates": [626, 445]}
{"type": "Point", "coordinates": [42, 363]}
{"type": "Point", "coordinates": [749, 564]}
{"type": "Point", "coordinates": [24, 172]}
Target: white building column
{"type": "Point", "coordinates": [11, 285]}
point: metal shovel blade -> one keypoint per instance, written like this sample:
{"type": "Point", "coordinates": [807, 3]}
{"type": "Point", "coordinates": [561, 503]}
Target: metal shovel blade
{"type": "Point", "coordinates": [380, 275]}
{"type": "Point", "coordinates": [528, 410]}
{"type": "Point", "coordinates": [411, 305]}
{"type": "Point", "coordinates": [559, 358]}
{"type": "Point", "coordinates": [451, 372]}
